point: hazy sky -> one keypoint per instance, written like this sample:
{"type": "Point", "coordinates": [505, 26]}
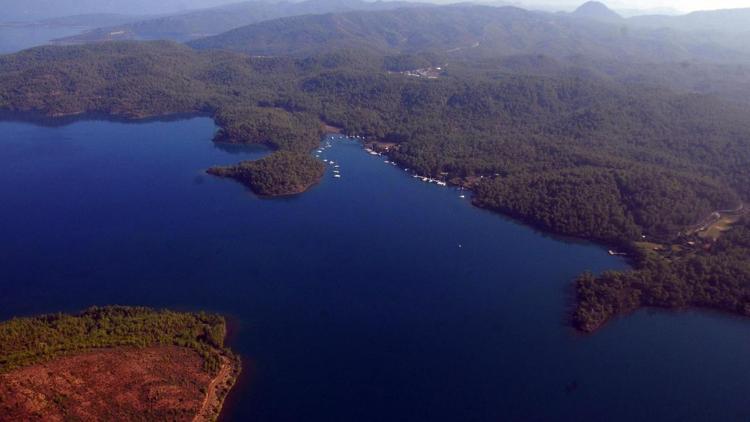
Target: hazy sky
{"type": "Point", "coordinates": [685, 5]}
{"type": "Point", "coordinates": [39, 9]}
{"type": "Point", "coordinates": [681, 5]}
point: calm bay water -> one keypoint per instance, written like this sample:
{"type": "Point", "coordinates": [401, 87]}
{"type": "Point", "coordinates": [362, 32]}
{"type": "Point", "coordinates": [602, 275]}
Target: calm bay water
{"type": "Point", "coordinates": [373, 297]}
{"type": "Point", "coordinates": [14, 38]}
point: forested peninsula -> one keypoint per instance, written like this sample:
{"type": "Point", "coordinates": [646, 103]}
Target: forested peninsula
{"type": "Point", "coordinates": [115, 363]}
{"type": "Point", "coordinates": [633, 167]}
{"type": "Point", "coordinates": [283, 173]}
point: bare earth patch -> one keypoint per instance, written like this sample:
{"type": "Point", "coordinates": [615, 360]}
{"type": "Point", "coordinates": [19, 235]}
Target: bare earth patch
{"type": "Point", "coordinates": [156, 383]}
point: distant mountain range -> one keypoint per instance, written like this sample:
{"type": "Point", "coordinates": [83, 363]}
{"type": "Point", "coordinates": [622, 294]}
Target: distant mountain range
{"type": "Point", "coordinates": [207, 22]}
{"type": "Point", "coordinates": [34, 10]}
{"type": "Point", "coordinates": [598, 11]}
{"type": "Point", "coordinates": [267, 27]}
{"type": "Point", "coordinates": [730, 21]}
{"type": "Point", "coordinates": [722, 21]}
{"type": "Point", "coordinates": [92, 20]}
{"type": "Point", "coordinates": [728, 28]}
{"type": "Point", "coordinates": [477, 31]}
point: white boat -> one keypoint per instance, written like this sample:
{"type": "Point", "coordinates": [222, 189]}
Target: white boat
{"type": "Point", "coordinates": [462, 196]}
{"type": "Point", "coordinates": [336, 175]}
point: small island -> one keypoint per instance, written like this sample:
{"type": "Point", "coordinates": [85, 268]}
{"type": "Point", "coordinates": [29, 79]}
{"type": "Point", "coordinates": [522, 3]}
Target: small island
{"type": "Point", "coordinates": [115, 363]}
{"type": "Point", "coordinates": [281, 173]}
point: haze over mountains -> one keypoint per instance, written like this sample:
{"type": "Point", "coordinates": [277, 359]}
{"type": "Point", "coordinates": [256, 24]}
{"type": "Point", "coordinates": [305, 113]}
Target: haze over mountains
{"type": "Point", "coordinates": [206, 22]}
{"type": "Point", "coordinates": [735, 21]}
{"type": "Point", "coordinates": [707, 35]}
{"type": "Point", "coordinates": [701, 52]}
{"type": "Point", "coordinates": [591, 29]}
{"type": "Point", "coordinates": [44, 9]}
{"type": "Point", "coordinates": [598, 11]}
{"type": "Point", "coordinates": [478, 31]}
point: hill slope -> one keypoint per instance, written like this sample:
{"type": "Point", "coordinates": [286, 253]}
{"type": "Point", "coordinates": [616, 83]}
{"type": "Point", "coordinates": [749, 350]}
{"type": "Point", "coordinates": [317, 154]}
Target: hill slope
{"type": "Point", "coordinates": [463, 31]}
{"type": "Point", "coordinates": [735, 21]}
{"type": "Point", "coordinates": [597, 11]}
{"type": "Point", "coordinates": [202, 23]}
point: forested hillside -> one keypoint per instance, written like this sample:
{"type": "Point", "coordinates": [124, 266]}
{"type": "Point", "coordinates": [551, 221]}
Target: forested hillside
{"type": "Point", "coordinates": [26, 341]}
{"type": "Point", "coordinates": [468, 31]}
{"type": "Point", "coordinates": [513, 40]}
{"type": "Point", "coordinates": [717, 278]}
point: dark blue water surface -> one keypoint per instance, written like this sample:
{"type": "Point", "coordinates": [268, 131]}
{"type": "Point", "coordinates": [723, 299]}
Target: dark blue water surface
{"type": "Point", "coordinates": [373, 297]}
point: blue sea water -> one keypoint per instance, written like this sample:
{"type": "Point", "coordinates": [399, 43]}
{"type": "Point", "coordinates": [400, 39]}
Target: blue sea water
{"type": "Point", "coordinates": [14, 38]}
{"type": "Point", "coordinates": [372, 297]}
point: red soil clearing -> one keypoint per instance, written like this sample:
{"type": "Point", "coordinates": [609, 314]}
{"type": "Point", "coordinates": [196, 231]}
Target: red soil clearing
{"type": "Point", "coordinates": [157, 383]}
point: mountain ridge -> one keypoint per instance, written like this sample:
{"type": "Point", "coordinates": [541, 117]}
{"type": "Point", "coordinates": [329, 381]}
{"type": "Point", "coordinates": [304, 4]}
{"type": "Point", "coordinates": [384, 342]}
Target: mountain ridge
{"type": "Point", "coordinates": [465, 30]}
{"type": "Point", "coordinates": [598, 11]}
{"type": "Point", "coordinates": [213, 21]}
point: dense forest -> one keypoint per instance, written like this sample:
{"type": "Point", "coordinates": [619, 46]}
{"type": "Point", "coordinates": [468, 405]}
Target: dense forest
{"type": "Point", "coordinates": [615, 206]}
{"type": "Point", "coordinates": [26, 341]}
{"type": "Point", "coordinates": [593, 157]}
{"type": "Point", "coordinates": [467, 31]}
{"type": "Point", "coordinates": [715, 277]}
{"type": "Point", "coordinates": [274, 127]}
{"type": "Point", "coordinates": [283, 173]}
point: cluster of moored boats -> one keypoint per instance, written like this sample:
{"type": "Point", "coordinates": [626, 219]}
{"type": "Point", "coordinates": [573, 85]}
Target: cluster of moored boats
{"type": "Point", "coordinates": [336, 167]}
{"type": "Point", "coordinates": [430, 180]}
{"type": "Point", "coordinates": [423, 178]}
{"type": "Point", "coordinates": [372, 152]}
{"type": "Point", "coordinates": [416, 176]}
{"type": "Point", "coordinates": [337, 171]}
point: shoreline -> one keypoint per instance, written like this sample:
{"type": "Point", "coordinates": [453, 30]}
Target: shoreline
{"type": "Point", "coordinates": [219, 388]}
{"type": "Point", "coordinates": [40, 118]}
{"type": "Point", "coordinates": [386, 148]}
{"type": "Point", "coordinates": [114, 362]}
{"type": "Point", "coordinates": [170, 372]}
{"type": "Point", "coordinates": [469, 183]}
{"type": "Point", "coordinates": [626, 250]}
